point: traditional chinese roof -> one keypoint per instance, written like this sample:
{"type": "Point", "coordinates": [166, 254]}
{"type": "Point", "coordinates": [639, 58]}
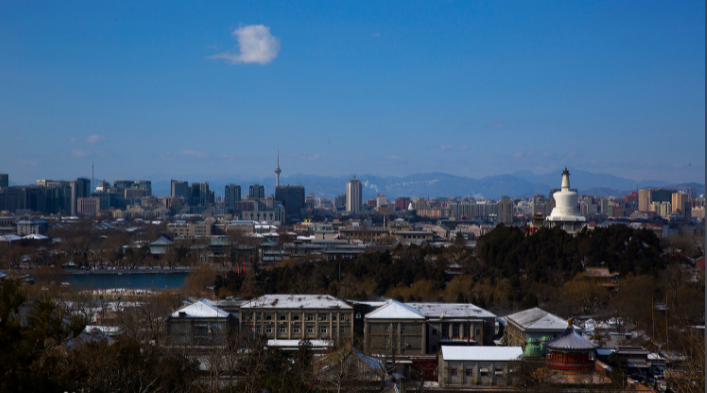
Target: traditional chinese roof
{"type": "Point", "coordinates": [570, 340]}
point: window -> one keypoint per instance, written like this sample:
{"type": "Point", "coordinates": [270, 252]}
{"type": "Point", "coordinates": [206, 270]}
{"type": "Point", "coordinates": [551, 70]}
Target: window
{"type": "Point", "coordinates": [257, 316]}
{"type": "Point", "coordinates": [434, 332]}
{"type": "Point", "coordinates": [499, 370]}
{"type": "Point", "coordinates": [283, 330]}
{"type": "Point", "coordinates": [258, 330]}
{"type": "Point", "coordinates": [358, 315]}
{"type": "Point", "coordinates": [452, 372]}
{"type": "Point", "coordinates": [469, 372]}
{"type": "Point", "coordinates": [434, 349]}
{"type": "Point", "coordinates": [268, 330]}
{"type": "Point", "coordinates": [283, 317]}
{"type": "Point", "coordinates": [322, 317]}
{"type": "Point", "coordinates": [268, 317]}
{"type": "Point", "coordinates": [402, 328]}
{"type": "Point", "coordinates": [341, 330]}
{"type": "Point", "coordinates": [478, 332]}
{"type": "Point", "coordinates": [342, 317]}
{"type": "Point", "coordinates": [295, 330]}
{"type": "Point", "coordinates": [484, 372]}
{"type": "Point", "coordinates": [310, 329]}
{"type": "Point", "coordinates": [295, 317]}
{"type": "Point", "coordinates": [322, 330]}
{"type": "Point", "coordinates": [310, 317]}
{"type": "Point", "coordinates": [387, 328]}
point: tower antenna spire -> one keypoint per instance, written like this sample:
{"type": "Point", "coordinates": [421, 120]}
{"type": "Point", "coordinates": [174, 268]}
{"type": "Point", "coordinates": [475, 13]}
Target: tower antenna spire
{"type": "Point", "coordinates": [277, 168]}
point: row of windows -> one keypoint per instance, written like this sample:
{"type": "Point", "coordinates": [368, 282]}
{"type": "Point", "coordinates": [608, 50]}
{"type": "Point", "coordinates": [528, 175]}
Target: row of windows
{"type": "Point", "coordinates": [483, 372]}
{"type": "Point", "coordinates": [297, 329]}
{"type": "Point", "coordinates": [296, 317]}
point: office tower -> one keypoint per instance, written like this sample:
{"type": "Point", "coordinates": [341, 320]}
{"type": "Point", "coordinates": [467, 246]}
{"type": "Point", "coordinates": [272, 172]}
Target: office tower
{"type": "Point", "coordinates": [340, 202]}
{"type": "Point", "coordinates": [232, 195]}
{"type": "Point", "coordinates": [354, 196]}
{"type": "Point", "coordinates": [256, 191]}
{"type": "Point", "coordinates": [277, 169]}
{"type": "Point", "coordinates": [644, 200]}
{"type": "Point", "coordinates": [505, 211]}
{"type": "Point", "coordinates": [179, 189]}
{"type": "Point", "coordinates": [661, 194]}
{"type": "Point", "coordinates": [4, 180]}
{"type": "Point", "coordinates": [139, 184]}
{"type": "Point", "coordinates": [381, 201]}
{"type": "Point", "coordinates": [80, 188]}
{"type": "Point", "coordinates": [292, 199]}
{"type": "Point", "coordinates": [401, 204]}
{"type": "Point", "coordinates": [680, 204]}
{"type": "Point", "coordinates": [200, 194]}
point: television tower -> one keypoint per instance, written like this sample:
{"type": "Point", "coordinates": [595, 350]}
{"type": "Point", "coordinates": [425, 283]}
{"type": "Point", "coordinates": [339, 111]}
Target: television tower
{"type": "Point", "coordinates": [277, 168]}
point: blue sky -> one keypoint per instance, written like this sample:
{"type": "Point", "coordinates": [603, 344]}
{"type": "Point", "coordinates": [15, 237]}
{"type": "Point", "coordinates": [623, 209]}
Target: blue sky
{"type": "Point", "coordinates": [163, 89]}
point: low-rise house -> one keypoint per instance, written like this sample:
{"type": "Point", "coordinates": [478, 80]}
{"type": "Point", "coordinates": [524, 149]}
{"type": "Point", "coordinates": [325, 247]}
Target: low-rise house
{"type": "Point", "coordinates": [199, 325]}
{"type": "Point", "coordinates": [534, 323]}
{"type": "Point", "coordinates": [160, 246]}
{"type": "Point", "coordinates": [298, 317]}
{"type": "Point", "coordinates": [603, 277]}
{"type": "Point", "coordinates": [633, 359]}
{"type": "Point", "coordinates": [421, 328]}
{"type": "Point", "coordinates": [472, 366]}
{"type": "Point", "coordinates": [30, 226]}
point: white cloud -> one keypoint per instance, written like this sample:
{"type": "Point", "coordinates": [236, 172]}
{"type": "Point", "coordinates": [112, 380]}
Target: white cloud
{"type": "Point", "coordinates": [446, 147]}
{"type": "Point", "coordinates": [463, 147]}
{"type": "Point", "coordinates": [518, 155]}
{"type": "Point", "coordinates": [255, 44]}
{"type": "Point", "coordinates": [195, 154]}
{"type": "Point", "coordinates": [80, 153]}
{"type": "Point", "coordinates": [93, 139]}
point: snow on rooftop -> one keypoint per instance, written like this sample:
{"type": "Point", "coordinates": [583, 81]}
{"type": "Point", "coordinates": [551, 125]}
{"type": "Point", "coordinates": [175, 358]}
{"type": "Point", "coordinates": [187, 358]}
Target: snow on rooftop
{"type": "Point", "coordinates": [296, 343]}
{"type": "Point", "coordinates": [395, 310]}
{"type": "Point", "coordinates": [297, 301]}
{"type": "Point", "coordinates": [201, 309]}
{"type": "Point", "coordinates": [481, 353]}
{"type": "Point", "coordinates": [537, 319]}
{"type": "Point", "coordinates": [452, 310]}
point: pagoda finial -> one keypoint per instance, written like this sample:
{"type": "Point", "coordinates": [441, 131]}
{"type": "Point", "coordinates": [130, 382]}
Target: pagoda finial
{"type": "Point", "coordinates": [569, 322]}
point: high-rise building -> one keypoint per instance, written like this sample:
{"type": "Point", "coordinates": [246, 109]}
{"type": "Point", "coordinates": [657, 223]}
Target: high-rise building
{"type": "Point", "coordinates": [88, 207]}
{"type": "Point", "coordinates": [232, 195]}
{"type": "Point", "coordinates": [401, 204]}
{"type": "Point", "coordinates": [256, 191]}
{"type": "Point", "coordinates": [4, 180]}
{"type": "Point", "coordinates": [354, 196]}
{"type": "Point", "coordinates": [201, 195]}
{"type": "Point", "coordinates": [505, 211]}
{"type": "Point", "coordinates": [340, 202]}
{"type": "Point", "coordinates": [80, 188]}
{"type": "Point", "coordinates": [680, 204]}
{"type": "Point", "coordinates": [179, 189]}
{"type": "Point", "coordinates": [644, 200]}
{"type": "Point", "coordinates": [292, 199]}
{"type": "Point", "coordinates": [140, 184]}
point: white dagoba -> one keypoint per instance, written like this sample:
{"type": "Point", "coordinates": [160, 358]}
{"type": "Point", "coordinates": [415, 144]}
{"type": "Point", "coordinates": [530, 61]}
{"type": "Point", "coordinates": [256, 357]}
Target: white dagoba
{"type": "Point", "coordinates": [566, 213]}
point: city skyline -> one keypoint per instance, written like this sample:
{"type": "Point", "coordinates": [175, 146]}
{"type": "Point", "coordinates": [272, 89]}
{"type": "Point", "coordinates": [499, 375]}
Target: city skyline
{"type": "Point", "coordinates": [463, 88]}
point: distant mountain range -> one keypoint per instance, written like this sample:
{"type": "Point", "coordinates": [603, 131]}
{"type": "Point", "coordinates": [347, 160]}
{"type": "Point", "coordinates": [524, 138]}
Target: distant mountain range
{"type": "Point", "coordinates": [518, 184]}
